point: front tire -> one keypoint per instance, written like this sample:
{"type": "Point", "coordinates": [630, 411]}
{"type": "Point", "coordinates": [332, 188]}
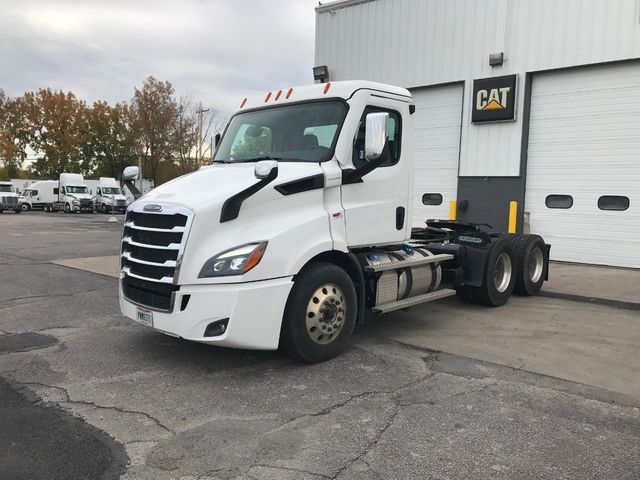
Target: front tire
{"type": "Point", "coordinates": [67, 208]}
{"type": "Point", "coordinates": [18, 210]}
{"type": "Point", "coordinates": [320, 313]}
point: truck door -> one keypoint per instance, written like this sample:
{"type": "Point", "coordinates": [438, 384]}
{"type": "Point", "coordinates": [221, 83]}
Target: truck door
{"type": "Point", "coordinates": [376, 208]}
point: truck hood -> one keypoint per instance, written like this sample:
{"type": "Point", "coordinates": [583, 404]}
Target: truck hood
{"type": "Point", "coordinates": [115, 197]}
{"type": "Point", "coordinates": [79, 196]}
{"type": "Point", "coordinates": [213, 184]}
{"type": "Point", "coordinates": [9, 194]}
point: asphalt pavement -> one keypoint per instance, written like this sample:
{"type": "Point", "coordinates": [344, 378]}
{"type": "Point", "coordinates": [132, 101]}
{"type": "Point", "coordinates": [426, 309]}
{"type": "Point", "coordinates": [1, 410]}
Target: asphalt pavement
{"type": "Point", "coordinates": [125, 401]}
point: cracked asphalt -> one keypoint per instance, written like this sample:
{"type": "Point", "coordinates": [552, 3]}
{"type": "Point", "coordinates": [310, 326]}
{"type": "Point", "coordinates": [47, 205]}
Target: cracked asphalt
{"type": "Point", "coordinates": [149, 406]}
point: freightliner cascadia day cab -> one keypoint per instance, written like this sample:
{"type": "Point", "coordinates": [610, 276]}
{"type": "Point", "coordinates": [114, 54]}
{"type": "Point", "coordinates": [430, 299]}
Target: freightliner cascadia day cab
{"type": "Point", "coordinates": [73, 195]}
{"type": "Point", "coordinates": [109, 197]}
{"type": "Point", "coordinates": [9, 198]}
{"type": "Point", "coordinates": [301, 228]}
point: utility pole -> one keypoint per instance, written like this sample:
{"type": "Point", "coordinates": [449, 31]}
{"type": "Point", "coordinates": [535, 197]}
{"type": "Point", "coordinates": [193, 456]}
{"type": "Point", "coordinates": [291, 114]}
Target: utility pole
{"type": "Point", "coordinates": [200, 112]}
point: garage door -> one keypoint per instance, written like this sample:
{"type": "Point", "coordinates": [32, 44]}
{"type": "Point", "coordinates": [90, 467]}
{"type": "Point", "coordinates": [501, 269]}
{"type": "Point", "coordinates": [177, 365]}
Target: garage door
{"type": "Point", "coordinates": [583, 167]}
{"type": "Point", "coordinates": [437, 124]}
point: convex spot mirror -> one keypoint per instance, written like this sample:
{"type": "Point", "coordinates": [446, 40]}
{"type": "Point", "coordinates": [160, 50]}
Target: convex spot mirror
{"type": "Point", "coordinates": [130, 173]}
{"type": "Point", "coordinates": [264, 168]}
{"type": "Point", "coordinates": [376, 134]}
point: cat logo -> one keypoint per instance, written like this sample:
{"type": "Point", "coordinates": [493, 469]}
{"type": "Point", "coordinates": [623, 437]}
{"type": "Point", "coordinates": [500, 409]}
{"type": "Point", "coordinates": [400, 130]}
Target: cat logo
{"type": "Point", "coordinates": [494, 99]}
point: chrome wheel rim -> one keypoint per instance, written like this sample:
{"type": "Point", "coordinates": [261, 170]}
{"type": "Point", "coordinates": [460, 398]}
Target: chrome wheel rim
{"type": "Point", "coordinates": [502, 272]}
{"type": "Point", "coordinates": [535, 264]}
{"type": "Point", "coordinates": [326, 312]}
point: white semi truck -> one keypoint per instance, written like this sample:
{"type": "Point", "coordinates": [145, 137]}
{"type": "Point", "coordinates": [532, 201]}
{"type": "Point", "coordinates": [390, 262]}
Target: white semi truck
{"type": "Point", "coordinates": [40, 195]}
{"type": "Point", "coordinates": [9, 198]}
{"type": "Point", "coordinates": [73, 195]}
{"type": "Point", "coordinates": [302, 227]}
{"type": "Point", "coordinates": [109, 197]}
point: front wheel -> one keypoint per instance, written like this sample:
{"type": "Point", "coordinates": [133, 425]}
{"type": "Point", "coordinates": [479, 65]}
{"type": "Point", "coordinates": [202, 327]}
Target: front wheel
{"type": "Point", "coordinates": [67, 208]}
{"type": "Point", "coordinates": [320, 313]}
{"type": "Point", "coordinates": [18, 210]}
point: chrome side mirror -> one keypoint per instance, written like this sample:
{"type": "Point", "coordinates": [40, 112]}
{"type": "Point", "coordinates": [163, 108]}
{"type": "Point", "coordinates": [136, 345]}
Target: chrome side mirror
{"type": "Point", "coordinates": [264, 168]}
{"type": "Point", "coordinates": [130, 173]}
{"type": "Point", "coordinates": [376, 134]}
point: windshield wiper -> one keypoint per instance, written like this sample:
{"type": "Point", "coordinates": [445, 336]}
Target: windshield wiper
{"type": "Point", "coordinates": [221, 161]}
{"type": "Point", "coordinates": [257, 159]}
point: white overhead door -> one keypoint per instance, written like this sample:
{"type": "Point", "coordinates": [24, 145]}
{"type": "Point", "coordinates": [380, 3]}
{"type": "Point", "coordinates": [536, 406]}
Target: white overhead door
{"type": "Point", "coordinates": [583, 166]}
{"type": "Point", "coordinates": [437, 150]}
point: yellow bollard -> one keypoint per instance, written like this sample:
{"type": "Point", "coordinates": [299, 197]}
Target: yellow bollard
{"type": "Point", "coordinates": [452, 210]}
{"type": "Point", "coordinates": [513, 214]}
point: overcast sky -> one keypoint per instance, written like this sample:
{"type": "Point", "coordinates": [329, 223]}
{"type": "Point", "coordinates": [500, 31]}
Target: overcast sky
{"type": "Point", "coordinates": [216, 51]}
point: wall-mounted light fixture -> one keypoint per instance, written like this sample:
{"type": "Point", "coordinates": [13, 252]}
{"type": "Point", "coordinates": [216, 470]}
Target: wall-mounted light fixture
{"type": "Point", "coordinates": [321, 73]}
{"type": "Point", "coordinates": [496, 59]}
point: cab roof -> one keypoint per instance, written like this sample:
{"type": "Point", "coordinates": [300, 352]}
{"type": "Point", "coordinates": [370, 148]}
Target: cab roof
{"type": "Point", "coordinates": [342, 89]}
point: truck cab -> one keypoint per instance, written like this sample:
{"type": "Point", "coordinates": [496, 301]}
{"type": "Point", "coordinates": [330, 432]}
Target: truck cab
{"type": "Point", "coordinates": [73, 194]}
{"type": "Point", "coordinates": [302, 226]}
{"type": "Point", "coordinates": [9, 198]}
{"type": "Point", "coordinates": [109, 197]}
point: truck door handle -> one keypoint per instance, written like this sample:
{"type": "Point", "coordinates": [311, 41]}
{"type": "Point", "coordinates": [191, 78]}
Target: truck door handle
{"type": "Point", "coordinates": [399, 218]}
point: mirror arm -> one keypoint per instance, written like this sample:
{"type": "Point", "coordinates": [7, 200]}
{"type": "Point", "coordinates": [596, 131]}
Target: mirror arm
{"type": "Point", "coordinates": [354, 175]}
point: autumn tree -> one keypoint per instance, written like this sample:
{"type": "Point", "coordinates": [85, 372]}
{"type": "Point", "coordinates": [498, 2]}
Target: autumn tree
{"type": "Point", "coordinates": [59, 130]}
{"type": "Point", "coordinates": [15, 134]}
{"type": "Point", "coordinates": [111, 138]}
{"type": "Point", "coordinates": [155, 112]}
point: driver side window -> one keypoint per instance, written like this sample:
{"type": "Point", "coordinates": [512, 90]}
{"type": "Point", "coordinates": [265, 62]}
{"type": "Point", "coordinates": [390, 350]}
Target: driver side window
{"type": "Point", "coordinates": [393, 127]}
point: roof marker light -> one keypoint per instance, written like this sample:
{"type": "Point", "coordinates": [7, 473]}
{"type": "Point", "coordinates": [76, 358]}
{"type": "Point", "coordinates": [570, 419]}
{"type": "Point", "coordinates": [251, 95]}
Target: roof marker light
{"type": "Point", "coordinates": [289, 92]}
{"type": "Point", "coordinates": [278, 94]}
{"type": "Point", "coordinates": [266, 99]}
{"type": "Point", "coordinates": [326, 87]}
{"type": "Point", "coordinates": [244, 101]}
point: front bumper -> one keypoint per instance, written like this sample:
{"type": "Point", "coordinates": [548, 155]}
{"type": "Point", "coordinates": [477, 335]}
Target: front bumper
{"type": "Point", "coordinates": [254, 310]}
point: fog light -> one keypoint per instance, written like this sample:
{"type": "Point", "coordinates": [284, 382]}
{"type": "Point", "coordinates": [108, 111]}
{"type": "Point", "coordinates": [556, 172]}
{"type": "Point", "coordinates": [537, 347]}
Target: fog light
{"type": "Point", "coordinates": [217, 328]}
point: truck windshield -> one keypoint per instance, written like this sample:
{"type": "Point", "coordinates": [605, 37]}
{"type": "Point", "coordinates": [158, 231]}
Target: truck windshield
{"type": "Point", "coordinates": [6, 188]}
{"type": "Point", "coordinates": [73, 189]}
{"type": "Point", "coordinates": [110, 191]}
{"type": "Point", "coordinates": [295, 133]}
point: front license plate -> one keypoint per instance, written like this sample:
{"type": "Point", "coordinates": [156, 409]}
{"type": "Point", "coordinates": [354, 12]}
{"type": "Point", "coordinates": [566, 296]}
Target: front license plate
{"type": "Point", "coordinates": [144, 316]}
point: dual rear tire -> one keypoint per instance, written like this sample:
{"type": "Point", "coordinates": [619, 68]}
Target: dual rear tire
{"type": "Point", "coordinates": [515, 264]}
{"type": "Point", "coordinates": [498, 279]}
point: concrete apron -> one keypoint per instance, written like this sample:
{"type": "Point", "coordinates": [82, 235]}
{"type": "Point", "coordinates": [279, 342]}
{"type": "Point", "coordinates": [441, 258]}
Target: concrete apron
{"type": "Point", "coordinates": [597, 282]}
{"type": "Point", "coordinates": [574, 340]}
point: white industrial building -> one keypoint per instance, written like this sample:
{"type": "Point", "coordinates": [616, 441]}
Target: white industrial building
{"type": "Point", "coordinates": [569, 153]}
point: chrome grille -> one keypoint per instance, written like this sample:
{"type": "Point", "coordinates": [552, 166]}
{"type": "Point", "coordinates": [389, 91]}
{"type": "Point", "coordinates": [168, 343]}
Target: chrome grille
{"type": "Point", "coordinates": [10, 200]}
{"type": "Point", "coordinates": [121, 203]}
{"type": "Point", "coordinates": [151, 247]}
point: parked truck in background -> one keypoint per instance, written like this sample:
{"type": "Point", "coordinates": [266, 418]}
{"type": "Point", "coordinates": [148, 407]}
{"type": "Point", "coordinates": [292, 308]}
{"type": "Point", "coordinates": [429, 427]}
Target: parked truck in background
{"type": "Point", "coordinates": [40, 195]}
{"type": "Point", "coordinates": [109, 196]}
{"type": "Point", "coordinates": [302, 226]}
{"type": "Point", "coordinates": [9, 198]}
{"type": "Point", "coordinates": [73, 195]}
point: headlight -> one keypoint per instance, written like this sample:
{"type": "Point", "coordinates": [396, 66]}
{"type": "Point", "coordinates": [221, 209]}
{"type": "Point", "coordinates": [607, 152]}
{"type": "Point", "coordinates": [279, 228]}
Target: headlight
{"type": "Point", "coordinates": [76, 202]}
{"type": "Point", "coordinates": [234, 262]}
